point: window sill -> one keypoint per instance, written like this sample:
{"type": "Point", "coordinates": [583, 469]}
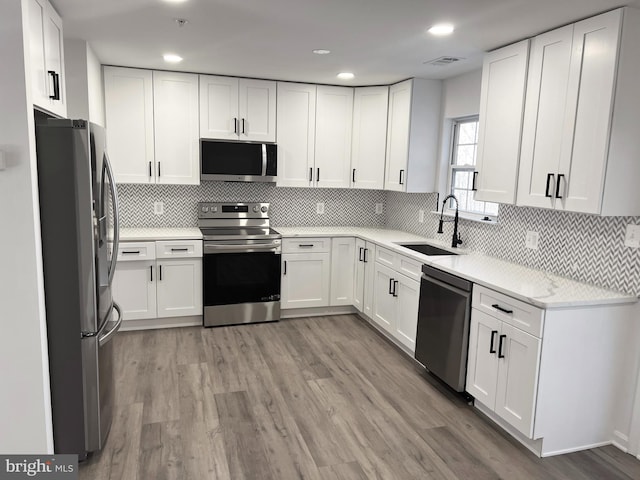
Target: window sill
{"type": "Point", "coordinates": [474, 217]}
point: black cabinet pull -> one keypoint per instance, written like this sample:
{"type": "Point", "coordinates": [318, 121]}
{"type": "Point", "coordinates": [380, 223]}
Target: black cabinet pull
{"type": "Point", "coordinates": [500, 345]}
{"type": "Point", "coordinates": [56, 85]}
{"type": "Point", "coordinates": [285, 267]}
{"type": "Point", "coordinates": [130, 252]}
{"type": "Point", "coordinates": [473, 183]}
{"type": "Point", "coordinates": [353, 176]}
{"type": "Point", "coordinates": [560, 177]}
{"type": "Point", "coordinates": [492, 348]}
{"type": "Point", "coordinates": [243, 130]}
{"type": "Point", "coordinates": [151, 272]}
{"type": "Point", "coordinates": [179, 249]}
{"type": "Point", "coordinates": [546, 189]}
{"type": "Point", "coordinates": [159, 169]}
{"type": "Point", "coordinates": [310, 174]}
{"type": "Point", "coordinates": [502, 309]}
{"type": "Point", "coordinates": [305, 245]}
{"type": "Point", "coordinates": [149, 168]}
{"type": "Point", "coordinates": [395, 288]}
{"type": "Point", "coordinates": [318, 174]}
{"type": "Point", "coordinates": [360, 254]}
{"type": "Point", "coordinates": [160, 267]}
{"type": "Point", "coordinates": [391, 286]}
{"type": "Point", "coordinates": [366, 255]}
{"type": "Point", "coordinates": [235, 125]}
{"type": "Point", "coordinates": [401, 175]}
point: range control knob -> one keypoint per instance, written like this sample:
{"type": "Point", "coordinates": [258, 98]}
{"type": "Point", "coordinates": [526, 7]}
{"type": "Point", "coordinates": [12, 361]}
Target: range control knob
{"type": "Point", "coordinates": [255, 209]}
{"type": "Point", "coordinates": [214, 209]}
{"type": "Point", "coordinates": [264, 209]}
{"type": "Point", "coordinates": [205, 209]}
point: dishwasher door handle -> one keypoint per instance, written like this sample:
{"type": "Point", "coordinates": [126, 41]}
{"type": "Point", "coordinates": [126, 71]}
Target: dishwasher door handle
{"type": "Point", "coordinates": [459, 291]}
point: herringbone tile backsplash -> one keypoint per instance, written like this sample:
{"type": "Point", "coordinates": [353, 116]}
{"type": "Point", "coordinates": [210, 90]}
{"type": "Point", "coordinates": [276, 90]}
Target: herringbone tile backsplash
{"type": "Point", "coordinates": [584, 247]}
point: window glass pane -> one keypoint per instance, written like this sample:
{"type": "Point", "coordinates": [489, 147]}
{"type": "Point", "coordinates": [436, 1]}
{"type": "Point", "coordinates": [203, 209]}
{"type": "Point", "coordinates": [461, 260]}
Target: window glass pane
{"type": "Point", "coordinates": [465, 155]}
{"type": "Point", "coordinates": [462, 179]}
{"type": "Point", "coordinates": [467, 133]}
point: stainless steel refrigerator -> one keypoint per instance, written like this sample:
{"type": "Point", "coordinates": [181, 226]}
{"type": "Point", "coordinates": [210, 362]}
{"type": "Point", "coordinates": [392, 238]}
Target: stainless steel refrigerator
{"type": "Point", "coordinates": [79, 222]}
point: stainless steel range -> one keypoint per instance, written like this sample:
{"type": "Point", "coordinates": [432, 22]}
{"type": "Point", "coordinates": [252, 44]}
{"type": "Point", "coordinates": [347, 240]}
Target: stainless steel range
{"type": "Point", "coordinates": [241, 267]}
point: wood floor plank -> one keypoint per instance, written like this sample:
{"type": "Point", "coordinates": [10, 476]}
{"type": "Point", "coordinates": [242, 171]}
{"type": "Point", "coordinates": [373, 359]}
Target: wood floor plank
{"type": "Point", "coordinates": [344, 471]}
{"type": "Point", "coordinates": [161, 450]}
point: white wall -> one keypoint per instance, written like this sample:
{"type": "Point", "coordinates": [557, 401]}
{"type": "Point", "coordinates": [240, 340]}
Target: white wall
{"type": "Point", "coordinates": [85, 98]}
{"type": "Point", "coordinates": [25, 410]}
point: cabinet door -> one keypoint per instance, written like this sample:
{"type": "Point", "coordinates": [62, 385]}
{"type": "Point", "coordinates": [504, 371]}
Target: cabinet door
{"type": "Point", "coordinates": [504, 77]}
{"type": "Point", "coordinates": [179, 287]}
{"type": "Point", "coordinates": [368, 278]}
{"type": "Point", "coordinates": [370, 107]}
{"type": "Point", "coordinates": [587, 123]}
{"type": "Point", "coordinates": [219, 117]}
{"type": "Point", "coordinates": [175, 108]}
{"type": "Point", "coordinates": [342, 270]}
{"type": "Point", "coordinates": [128, 97]}
{"type": "Point", "coordinates": [544, 114]}
{"type": "Point", "coordinates": [305, 280]}
{"type": "Point", "coordinates": [482, 361]}
{"type": "Point", "coordinates": [334, 113]}
{"type": "Point", "coordinates": [257, 110]}
{"type": "Point", "coordinates": [296, 122]}
{"type": "Point", "coordinates": [39, 77]}
{"type": "Point", "coordinates": [398, 136]}
{"type": "Point", "coordinates": [358, 291]}
{"type": "Point", "coordinates": [407, 298]}
{"type": "Point", "coordinates": [54, 61]}
{"type": "Point", "coordinates": [517, 378]}
{"type": "Point", "coordinates": [383, 302]}
{"type": "Point", "coordinates": [134, 289]}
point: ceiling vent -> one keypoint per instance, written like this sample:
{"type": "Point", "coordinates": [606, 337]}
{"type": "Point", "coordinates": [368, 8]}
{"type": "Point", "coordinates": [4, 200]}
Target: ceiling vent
{"type": "Point", "coordinates": [443, 61]}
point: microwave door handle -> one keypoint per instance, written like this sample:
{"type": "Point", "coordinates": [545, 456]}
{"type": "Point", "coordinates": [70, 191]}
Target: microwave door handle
{"type": "Point", "coordinates": [264, 159]}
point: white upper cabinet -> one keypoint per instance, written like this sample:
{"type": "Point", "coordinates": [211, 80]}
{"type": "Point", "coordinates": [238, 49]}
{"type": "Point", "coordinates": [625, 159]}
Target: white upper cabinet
{"type": "Point", "coordinates": [175, 107]}
{"type": "Point", "coordinates": [579, 149]}
{"type": "Point", "coordinates": [334, 113]}
{"type": "Point", "coordinates": [46, 54]}
{"type": "Point", "coordinates": [504, 77]}
{"type": "Point", "coordinates": [296, 126]}
{"type": "Point", "coordinates": [237, 109]}
{"type": "Point", "coordinates": [128, 97]}
{"type": "Point", "coordinates": [413, 135]}
{"type": "Point", "coordinates": [368, 144]}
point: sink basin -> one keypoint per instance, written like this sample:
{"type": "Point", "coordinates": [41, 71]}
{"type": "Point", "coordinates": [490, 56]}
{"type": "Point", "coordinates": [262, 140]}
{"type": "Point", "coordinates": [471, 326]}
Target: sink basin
{"type": "Point", "coordinates": [427, 249]}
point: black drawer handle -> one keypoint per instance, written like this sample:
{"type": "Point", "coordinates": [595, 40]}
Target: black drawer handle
{"type": "Point", "coordinates": [160, 267]}
{"type": "Point", "coordinates": [317, 174]}
{"type": "Point", "coordinates": [285, 267]}
{"type": "Point", "coordinates": [306, 245]}
{"type": "Point", "coordinates": [500, 345]}
{"type": "Point", "coordinates": [151, 272]}
{"type": "Point", "coordinates": [149, 168]}
{"type": "Point", "coordinates": [401, 179]}
{"type": "Point", "coordinates": [366, 255]}
{"type": "Point", "coordinates": [395, 288]}
{"type": "Point", "coordinates": [502, 309]}
{"type": "Point", "coordinates": [179, 249]}
{"type": "Point", "coordinates": [474, 188]}
{"type": "Point", "coordinates": [391, 286]}
{"type": "Point", "coordinates": [353, 176]}
{"type": "Point", "coordinates": [560, 177]}
{"type": "Point", "coordinates": [235, 125]}
{"type": "Point", "coordinates": [310, 174]}
{"type": "Point", "coordinates": [546, 189]}
{"type": "Point", "coordinates": [130, 252]}
{"type": "Point", "coordinates": [243, 129]}
{"type": "Point", "coordinates": [360, 257]}
{"type": "Point", "coordinates": [492, 348]}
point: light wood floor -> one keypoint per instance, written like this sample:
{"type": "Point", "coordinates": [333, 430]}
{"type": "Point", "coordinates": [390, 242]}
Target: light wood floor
{"type": "Point", "coordinates": [311, 398]}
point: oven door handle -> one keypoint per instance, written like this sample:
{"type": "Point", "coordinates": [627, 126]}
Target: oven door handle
{"type": "Point", "coordinates": [242, 248]}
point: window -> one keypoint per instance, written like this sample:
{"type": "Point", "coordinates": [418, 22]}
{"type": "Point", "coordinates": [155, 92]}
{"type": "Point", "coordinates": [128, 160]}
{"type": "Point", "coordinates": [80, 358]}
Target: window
{"type": "Point", "coordinates": [463, 162]}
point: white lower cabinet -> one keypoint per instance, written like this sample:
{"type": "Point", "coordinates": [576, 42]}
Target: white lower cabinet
{"type": "Point", "coordinates": [363, 288]}
{"type": "Point", "coordinates": [156, 280]}
{"type": "Point", "coordinates": [502, 370]}
{"type": "Point", "coordinates": [342, 270]}
{"type": "Point", "coordinates": [305, 280]}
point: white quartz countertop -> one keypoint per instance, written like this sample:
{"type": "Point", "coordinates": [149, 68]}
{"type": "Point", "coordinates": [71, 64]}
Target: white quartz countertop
{"type": "Point", "coordinates": [536, 287]}
{"type": "Point", "coordinates": [151, 234]}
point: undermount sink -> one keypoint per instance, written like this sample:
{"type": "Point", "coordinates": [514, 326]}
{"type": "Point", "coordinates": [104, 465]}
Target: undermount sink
{"type": "Point", "coordinates": [427, 249]}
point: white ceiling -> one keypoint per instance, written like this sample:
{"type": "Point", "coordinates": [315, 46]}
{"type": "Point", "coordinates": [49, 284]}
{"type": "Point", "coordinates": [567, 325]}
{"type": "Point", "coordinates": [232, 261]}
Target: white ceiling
{"type": "Point", "coordinates": [381, 41]}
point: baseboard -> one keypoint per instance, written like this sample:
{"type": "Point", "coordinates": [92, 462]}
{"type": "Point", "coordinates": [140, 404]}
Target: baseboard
{"type": "Point", "coordinates": [155, 323]}
{"type": "Point", "coordinates": [621, 441]}
{"type": "Point", "coordinates": [317, 311]}
{"type": "Point", "coordinates": [576, 449]}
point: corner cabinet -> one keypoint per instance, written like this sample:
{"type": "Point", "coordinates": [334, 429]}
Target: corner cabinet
{"type": "Point", "coordinates": [504, 78]}
{"type": "Point", "coordinates": [46, 53]}
{"type": "Point", "coordinates": [237, 109]}
{"type": "Point", "coordinates": [152, 125]}
{"type": "Point", "coordinates": [579, 151]}
{"type": "Point", "coordinates": [413, 136]}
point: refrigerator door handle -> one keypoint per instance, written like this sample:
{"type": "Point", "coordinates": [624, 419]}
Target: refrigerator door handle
{"type": "Point", "coordinates": [116, 219]}
{"type": "Point", "coordinates": [107, 337]}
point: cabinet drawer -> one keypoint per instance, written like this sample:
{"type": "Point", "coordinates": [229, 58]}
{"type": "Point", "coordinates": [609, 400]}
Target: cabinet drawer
{"type": "Point", "coordinates": [134, 251]}
{"type": "Point", "coordinates": [401, 264]}
{"type": "Point", "coordinates": [306, 245]}
{"type": "Point", "coordinates": [514, 312]}
{"type": "Point", "coordinates": [178, 248]}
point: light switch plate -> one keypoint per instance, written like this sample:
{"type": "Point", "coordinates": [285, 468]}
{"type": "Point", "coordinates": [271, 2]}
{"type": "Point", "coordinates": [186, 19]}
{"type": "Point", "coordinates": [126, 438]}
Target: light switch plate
{"type": "Point", "coordinates": [531, 240]}
{"type": "Point", "coordinates": [378, 208]}
{"type": "Point", "coordinates": [158, 208]}
{"type": "Point", "coordinates": [320, 208]}
{"type": "Point", "coordinates": [632, 236]}
{"type": "Point", "coordinates": [421, 216]}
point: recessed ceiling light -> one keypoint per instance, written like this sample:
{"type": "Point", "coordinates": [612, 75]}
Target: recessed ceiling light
{"type": "Point", "coordinates": [345, 76]}
{"type": "Point", "coordinates": [322, 51]}
{"type": "Point", "coordinates": [172, 58]}
{"type": "Point", "coordinates": [441, 29]}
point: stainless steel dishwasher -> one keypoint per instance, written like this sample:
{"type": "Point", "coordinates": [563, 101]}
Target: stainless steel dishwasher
{"type": "Point", "coordinates": [442, 338]}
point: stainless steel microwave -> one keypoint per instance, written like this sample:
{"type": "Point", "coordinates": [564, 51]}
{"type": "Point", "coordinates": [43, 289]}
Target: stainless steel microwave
{"type": "Point", "coordinates": [238, 161]}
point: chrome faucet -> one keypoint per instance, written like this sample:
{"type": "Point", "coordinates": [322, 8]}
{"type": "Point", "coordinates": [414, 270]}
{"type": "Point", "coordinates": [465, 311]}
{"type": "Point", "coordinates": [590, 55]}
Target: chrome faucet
{"type": "Point", "coordinates": [455, 241]}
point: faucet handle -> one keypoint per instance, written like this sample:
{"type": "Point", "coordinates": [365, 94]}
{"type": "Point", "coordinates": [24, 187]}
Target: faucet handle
{"type": "Point", "coordinates": [458, 240]}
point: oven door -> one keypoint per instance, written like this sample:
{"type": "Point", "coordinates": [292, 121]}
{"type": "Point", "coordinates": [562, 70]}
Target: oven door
{"type": "Point", "coordinates": [241, 285]}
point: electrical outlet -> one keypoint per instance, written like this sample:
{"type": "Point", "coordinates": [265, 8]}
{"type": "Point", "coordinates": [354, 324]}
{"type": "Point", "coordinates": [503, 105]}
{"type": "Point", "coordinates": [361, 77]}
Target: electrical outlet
{"type": "Point", "coordinates": [158, 208]}
{"type": "Point", "coordinates": [421, 216]}
{"type": "Point", "coordinates": [531, 240]}
{"type": "Point", "coordinates": [632, 236]}
{"type": "Point", "coordinates": [378, 208]}
{"type": "Point", "coordinates": [320, 208]}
